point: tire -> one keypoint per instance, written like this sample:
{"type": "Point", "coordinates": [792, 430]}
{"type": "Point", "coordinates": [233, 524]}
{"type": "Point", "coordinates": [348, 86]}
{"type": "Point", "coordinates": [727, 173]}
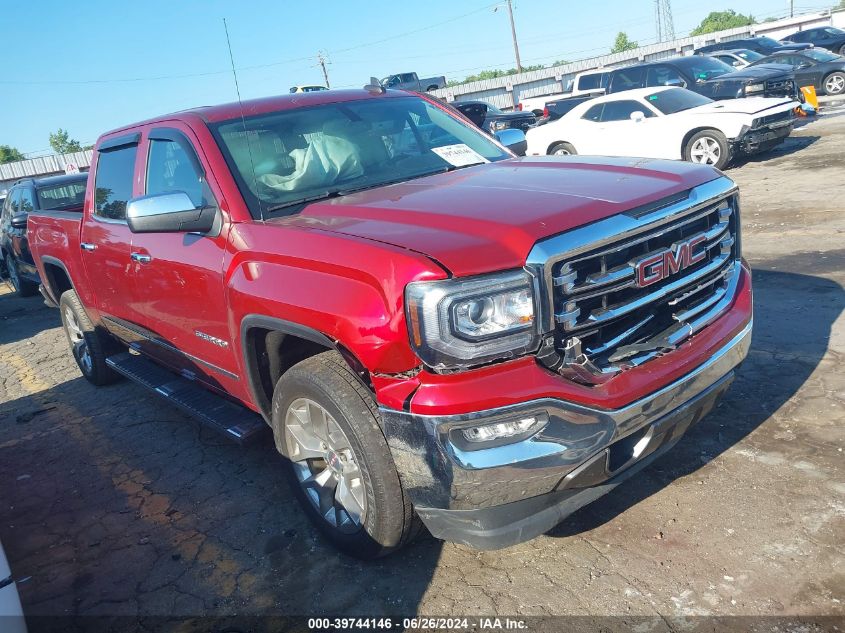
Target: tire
{"type": "Point", "coordinates": [834, 83]}
{"type": "Point", "coordinates": [842, 50]}
{"type": "Point", "coordinates": [23, 287]}
{"type": "Point", "coordinates": [708, 147]}
{"type": "Point", "coordinates": [430, 88]}
{"type": "Point", "coordinates": [562, 149]}
{"type": "Point", "coordinates": [350, 457]}
{"type": "Point", "coordinates": [89, 344]}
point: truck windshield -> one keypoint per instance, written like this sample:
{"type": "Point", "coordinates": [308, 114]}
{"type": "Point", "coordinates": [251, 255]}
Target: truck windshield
{"type": "Point", "coordinates": [290, 157]}
{"type": "Point", "coordinates": [676, 100]}
{"type": "Point", "coordinates": [704, 68]}
{"type": "Point", "coordinates": [66, 196]}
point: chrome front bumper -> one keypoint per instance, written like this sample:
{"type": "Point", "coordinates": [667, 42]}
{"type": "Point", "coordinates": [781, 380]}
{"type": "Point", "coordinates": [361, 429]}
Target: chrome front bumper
{"type": "Point", "coordinates": [439, 473]}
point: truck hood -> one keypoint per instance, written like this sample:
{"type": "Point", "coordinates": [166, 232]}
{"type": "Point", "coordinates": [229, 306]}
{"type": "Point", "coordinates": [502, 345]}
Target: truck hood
{"type": "Point", "coordinates": [487, 217]}
{"type": "Point", "coordinates": [752, 73]}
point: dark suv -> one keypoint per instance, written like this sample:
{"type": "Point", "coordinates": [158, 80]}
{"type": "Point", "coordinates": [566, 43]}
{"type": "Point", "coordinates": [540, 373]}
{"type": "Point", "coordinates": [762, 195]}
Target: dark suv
{"type": "Point", "coordinates": [54, 193]}
{"type": "Point", "coordinates": [762, 45]}
{"type": "Point", "coordinates": [828, 37]}
{"type": "Point", "coordinates": [707, 76]}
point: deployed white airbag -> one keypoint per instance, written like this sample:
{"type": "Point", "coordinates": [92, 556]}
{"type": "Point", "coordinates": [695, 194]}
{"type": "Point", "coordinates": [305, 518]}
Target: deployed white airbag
{"type": "Point", "coordinates": [327, 160]}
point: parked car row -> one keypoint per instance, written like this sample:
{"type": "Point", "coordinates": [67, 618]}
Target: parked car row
{"type": "Point", "coordinates": [666, 123]}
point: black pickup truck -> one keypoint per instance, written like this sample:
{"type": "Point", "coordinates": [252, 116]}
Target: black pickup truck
{"type": "Point", "coordinates": [707, 76]}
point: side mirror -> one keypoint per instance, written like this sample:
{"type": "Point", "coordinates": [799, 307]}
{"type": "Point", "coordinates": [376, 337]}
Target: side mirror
{"type": "Point", "coordinates": [736, 63]}
{"type": "Point", "coordinates": [675, 83]}
{"type": "Point", "coordinates": [637, 116]}
{"type": "Point", "coordinates": [18, 221]}
{"type": "Point", "coordinates": [169, 213]}
{"type": "Point", "coordinates": [514, 140]}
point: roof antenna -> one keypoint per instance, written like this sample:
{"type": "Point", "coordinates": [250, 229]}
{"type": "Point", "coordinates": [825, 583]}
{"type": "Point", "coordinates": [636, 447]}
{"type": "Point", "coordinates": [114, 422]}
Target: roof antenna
{"type": "Point", "coordinates": [243, 122]}
{"type": "Point", "coordinates": [375, 87]}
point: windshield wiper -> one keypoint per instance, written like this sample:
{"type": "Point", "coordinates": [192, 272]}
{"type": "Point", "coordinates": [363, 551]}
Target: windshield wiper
{"type": "Point", "coordinates": [325, 195]}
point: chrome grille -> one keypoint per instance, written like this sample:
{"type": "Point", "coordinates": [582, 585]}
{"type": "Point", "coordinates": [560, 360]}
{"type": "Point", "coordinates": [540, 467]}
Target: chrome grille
{"type": "Point", "coordinates": [604, 319]}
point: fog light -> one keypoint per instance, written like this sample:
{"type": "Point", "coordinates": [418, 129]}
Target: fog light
{"type": "Point", "coordinates": [502, 430]}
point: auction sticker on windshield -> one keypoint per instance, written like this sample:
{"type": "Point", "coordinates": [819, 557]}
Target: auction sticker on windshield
{"type": "Point", "coordinates": [459, 155]}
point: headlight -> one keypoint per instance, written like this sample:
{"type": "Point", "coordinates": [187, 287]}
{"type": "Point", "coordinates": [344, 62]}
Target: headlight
{"type": "Point", "coordinates": [495, 126]}
{"type": "Point", "coordinates": [457, 323]}
{"type": "Point", "coordinates": [752, 89]}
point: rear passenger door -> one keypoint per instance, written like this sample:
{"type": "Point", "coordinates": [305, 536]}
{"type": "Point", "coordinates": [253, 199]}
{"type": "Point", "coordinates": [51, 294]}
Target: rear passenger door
{"type": "Point", "coordinates": [179, 276]}
{"type": "Point", "coordinates": [105, 236]}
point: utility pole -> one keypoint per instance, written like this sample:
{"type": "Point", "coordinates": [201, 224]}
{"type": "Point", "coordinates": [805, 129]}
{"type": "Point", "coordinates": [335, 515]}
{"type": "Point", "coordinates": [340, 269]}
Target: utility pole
{"type": "Point", "coordinates": [663, 19]}
{"type": "Point", "coordinates": [792, 8]}
{"type": "Point", "coordinates": [513, 35]}
{"type": "Point", "coordinates": [322, 61]}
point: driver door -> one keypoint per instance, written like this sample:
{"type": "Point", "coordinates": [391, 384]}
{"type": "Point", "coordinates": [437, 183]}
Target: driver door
{"type": "Point", "coordinates": [619, 135]}
{"type": "Point", "coordinates": [179, 288]}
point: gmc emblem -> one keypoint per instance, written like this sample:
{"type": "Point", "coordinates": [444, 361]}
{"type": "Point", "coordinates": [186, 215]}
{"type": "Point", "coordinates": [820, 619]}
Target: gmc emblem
{"type": "Point", "coordinates": [657, 266]}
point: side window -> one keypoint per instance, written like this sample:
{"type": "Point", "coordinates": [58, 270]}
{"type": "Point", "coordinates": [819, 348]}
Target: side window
{"type": "Point", "coordinates": [621, 110]}
{"type": "Point", "coordinates": [726, 58]}
{"type": "Point", "coordinates": [408, 77]}
{"type": "Point", "coordinates": [627, 79]}
{"type": "Point", "coordinates": [665, 76]}
{"type": "Point", "coordinates": [27, 203]}
{"type": "Point", "coordinates": [14, 202]}
{"type": "Point", "coordinates": [113, 183]}
{"type": "Point", "coordinates": [170, 168]}
{"type": "Point", "coordinates": [594, 113]}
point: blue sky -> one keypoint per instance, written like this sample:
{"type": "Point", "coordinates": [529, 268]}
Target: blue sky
{"type": "Point", "coordinates": [89, 66]}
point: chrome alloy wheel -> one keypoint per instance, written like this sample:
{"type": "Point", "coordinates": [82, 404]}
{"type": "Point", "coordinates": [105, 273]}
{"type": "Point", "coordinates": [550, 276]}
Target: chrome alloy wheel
{"type": "Point", "coordinates": [562, 151]}
{"type": "Point", "coordinates": [706, 151]}
{"type": "Point", "coordinates": [77, 340]}
{"type": "Point", "coordinates": [834, 84]}
{"type": "Point", "coordinates": [325, 465]}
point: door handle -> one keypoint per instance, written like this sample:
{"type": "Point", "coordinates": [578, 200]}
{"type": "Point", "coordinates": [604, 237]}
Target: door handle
{"type": "Point", "coordinates": [141, 258]}
{"type": "Point", "coordinates": [87, 246]}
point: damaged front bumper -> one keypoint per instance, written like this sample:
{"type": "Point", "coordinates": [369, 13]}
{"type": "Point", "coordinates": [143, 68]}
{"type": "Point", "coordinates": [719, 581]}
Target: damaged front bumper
{"type": "Point", "coordinates": [762, 138]}
{"type": "Point", "coordinates": [499, 496]}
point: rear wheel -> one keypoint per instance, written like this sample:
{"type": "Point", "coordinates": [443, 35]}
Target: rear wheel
{"type": "Point", "coordinates": [24, 287]}
{"type": "Point", "coordinates": [430, 88]}
{"type": "Point", "coordinates": [562, 149]}
{"type": "Point", "coordinates": [89, 345]}
{"type": "Point", "coordinates": [834, 83]}
{"type": "Point", "coordinates": [708, 147]}
{"type": "Point", "coordinates": [842, 50]}
{"type": "Point", "coordinates": [325, 422]}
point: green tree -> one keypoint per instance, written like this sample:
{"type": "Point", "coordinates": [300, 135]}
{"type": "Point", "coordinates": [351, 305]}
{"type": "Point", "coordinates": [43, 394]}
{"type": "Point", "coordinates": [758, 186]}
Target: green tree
{"type": "Point", "coordinates": [564, 62]}
{"type": "Point", "coordinates": [721, 20]}
{"type": "Point", "coordinates": [10, 154]}
{"type": "Point", "coordinates": [61, 142]}
{"type": "Point", "coordinates": [622, 43]}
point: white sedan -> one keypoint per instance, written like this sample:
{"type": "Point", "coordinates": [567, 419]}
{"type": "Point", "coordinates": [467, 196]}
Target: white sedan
{"type": "Point", "coordinates": [666, 123]}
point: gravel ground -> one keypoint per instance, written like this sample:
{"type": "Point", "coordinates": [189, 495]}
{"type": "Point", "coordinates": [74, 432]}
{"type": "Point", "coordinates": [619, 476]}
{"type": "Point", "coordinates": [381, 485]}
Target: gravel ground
{"type": "Point", "coordinates": [113, 503]}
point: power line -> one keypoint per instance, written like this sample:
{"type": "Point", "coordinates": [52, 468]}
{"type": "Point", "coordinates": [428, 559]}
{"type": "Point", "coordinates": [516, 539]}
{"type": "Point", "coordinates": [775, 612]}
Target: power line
{"type": "Point", "coordinates": [243, 68]}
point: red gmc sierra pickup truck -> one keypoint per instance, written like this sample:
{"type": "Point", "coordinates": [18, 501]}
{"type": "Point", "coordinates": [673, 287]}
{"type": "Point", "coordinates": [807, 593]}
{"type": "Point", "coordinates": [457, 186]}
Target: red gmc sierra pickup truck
{"type": "Point", "coordinates": [433, 328]}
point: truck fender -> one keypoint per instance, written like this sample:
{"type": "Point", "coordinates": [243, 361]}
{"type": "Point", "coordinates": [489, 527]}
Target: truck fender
{"type": "Point", "coordinates": [261, 389]}
{"type": "Point", "coordinates": [54, 287]}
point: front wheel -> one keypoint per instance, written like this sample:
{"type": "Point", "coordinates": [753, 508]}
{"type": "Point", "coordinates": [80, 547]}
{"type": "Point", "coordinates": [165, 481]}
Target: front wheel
{"type": "Point", "coordinates": [24, 287]}
{"type": "Point", "coordinates": [708, 147]}
{"type": "Point", "coordinates": [562, 149]}
{"type": "Point", "coordinates": [89, 345]}
{"type": "Point", "coordinates": [325, 423]}
{"type": "Point", "coordinates": [834, 83]}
